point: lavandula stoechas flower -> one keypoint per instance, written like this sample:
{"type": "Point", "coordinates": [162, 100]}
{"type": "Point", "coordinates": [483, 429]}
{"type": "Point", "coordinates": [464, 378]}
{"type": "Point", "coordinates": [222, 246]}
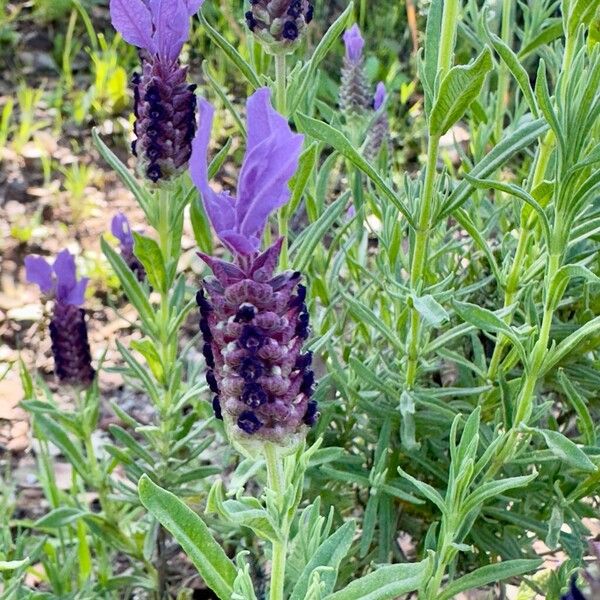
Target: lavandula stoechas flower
{"type": "Point", "coordinates": [164, 103]}
{"type": "Point", "coordinates": [355, 98]}
{"type": "Point", "coordinates": [379, 131]}
{"type": "Point", "coordinates": [120, 228]}
{"type": "Point", "coordinates": [68, 329]}
{"type": "Point", "coordinates": [279, 24]}
{"type": "Point", "coordinates": [254, 323]}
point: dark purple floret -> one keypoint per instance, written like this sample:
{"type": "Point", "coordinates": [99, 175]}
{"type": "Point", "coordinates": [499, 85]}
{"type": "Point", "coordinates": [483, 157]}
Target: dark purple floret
{"type": "Point", "coordinates": [299, 298]}
{"type": "Point", "coordinates": [203, 303]}
{"type": "Point", "coordinates": [302, 325]}
{"type": "Point", "coordinates": [290, 30]}
{"type": "Point", "coordinates": [245, 313]}
{"type": "Point", "coordinates": [311, 414]}
{"type": "Point", "coordinates": [153, 172]}
{"type": "Point", "coordinates": [216, 404]}
{"type": "Point", "coordinates": [295, 9]}
{"type": "Point", "coordinates": [249, 422]}
{"type": "Point", "coordinates": [251, 338]}
{"type": "Point", "coordinates": [308, 378]}
{"type": "Point", "coordinates": [205, 329]}
{"type": "Point", "coordinates": [212, 382]}
{"type": "Point", "coordinates": [253, 395]}
{"type": "Point", "coordinates": [574, 592]}
{"type": "Point", "coordinates": [309, 14]}
{"type": "Point", "coordinates": [208, 355]}
{"type": "Point", "coordinates": [304, 361]}
{"type": "Point", "coordinates": [251, 368]}
{"type": "Point", "coordinates": [279, 25]}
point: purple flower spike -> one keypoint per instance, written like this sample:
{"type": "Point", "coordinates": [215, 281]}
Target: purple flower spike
{"type": "Point", "coordinates": [271, 159]}
{"type": "Point", "coordinates": [253, 324]}
{"type": "Point", "coordinates": [68, 329]}
{"type": "Point", "coordinates": [164, 104]}
{"type": "Point", "coordinates": [354, 43]}
{"type": "Point", "coordinates": [380, 96]}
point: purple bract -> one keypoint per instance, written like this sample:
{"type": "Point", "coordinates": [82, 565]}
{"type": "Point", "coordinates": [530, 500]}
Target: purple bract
{"type": "Point", "coordinates": [271, 159]}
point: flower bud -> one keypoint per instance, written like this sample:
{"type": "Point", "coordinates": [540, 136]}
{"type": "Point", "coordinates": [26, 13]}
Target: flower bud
{"type": "Point", "coordinates": [279, 24]}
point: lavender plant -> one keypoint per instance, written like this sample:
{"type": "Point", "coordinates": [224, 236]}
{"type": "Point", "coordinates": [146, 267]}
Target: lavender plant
{"type": "Point", "coordinates": [453, 315]}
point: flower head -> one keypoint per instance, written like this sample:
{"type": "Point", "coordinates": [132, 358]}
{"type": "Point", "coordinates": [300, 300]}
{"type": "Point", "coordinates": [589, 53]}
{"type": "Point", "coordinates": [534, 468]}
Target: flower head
{"type": "Point", "coordinates": [271, 158]}
{"type": "Point", "coordinates": [121, 229]}
{"type": "Point", "coordinates": [354, 43]}
{"type": "Point", "coordinates": [68, 329]}
{"type": "Point", "coordinates": [254, 325]}
{"type": "Point", "coordinates": [279, 24]}
{"type": "Point", "coordinates": [164, 104]}
{"type": "Point", "coordinates": [354, 91]}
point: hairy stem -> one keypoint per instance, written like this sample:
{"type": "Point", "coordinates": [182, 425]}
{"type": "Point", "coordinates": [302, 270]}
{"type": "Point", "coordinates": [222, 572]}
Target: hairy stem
{"type": "Point", "coordinates": [276, 482]}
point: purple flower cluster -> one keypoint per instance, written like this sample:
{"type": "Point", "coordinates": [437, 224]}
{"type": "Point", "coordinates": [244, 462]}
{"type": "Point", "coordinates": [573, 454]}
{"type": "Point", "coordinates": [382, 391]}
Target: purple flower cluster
{"type": "Point", "coordinates": [279, 24]}
{"type": "Point", "coordinates": [68, 329]}
{"type": "Point", "coordinates": [164, 104]}
{"type": "Point", "coordinates": [254, 323]}
{"type": "Point", "coordinates": [379, 131]}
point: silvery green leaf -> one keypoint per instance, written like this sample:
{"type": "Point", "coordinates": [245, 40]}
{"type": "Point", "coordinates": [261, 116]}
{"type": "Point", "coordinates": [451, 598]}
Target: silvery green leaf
{"type": "Point", "coordinates": [386, 583]}
{"type": "Point", "coordinates": [563, 448]}
{"type": "Point", "coordinates": [489, 574]}
{"type": "Point", "coordinates": [459, 87]}
{"type": "Point", "coordinates": [193, 535]}
{"type": "Point", "coordinates": [430, 309]}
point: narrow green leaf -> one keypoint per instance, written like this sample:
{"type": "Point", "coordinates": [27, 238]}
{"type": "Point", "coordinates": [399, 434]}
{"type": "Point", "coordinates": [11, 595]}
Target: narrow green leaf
{"type": "Point", "coordinates": [428, 491]}
{"type": "Point", "coordinates": [486, 320]}
{"type": "Point", "coordinates": [516, 141]}
{"type": "Point", "coordinates": [431, 52]}
{"type": "Point", "coordinates": [513, 63]}
{"type": "Point", "coordinates": [430, 309]}
{"type": "Point", "coordinates": [232, 54]}
{"type": "Point", "coordinates": [489, 574]}
{"type": "Point", "coordinates": [563, 448]}
{"type": "Point", "coordinates": [329, 554]}
{"type": "Point", "coordinates": [141, 195]}
{"type": "Point", "coordinates": [562, 278]}
{"type": "Point", "coordinates": [56, 434]}
{"type": "Point", "coordinates": [193, 535]}
{"type": "Point", "coordinates": [551, 30]}
{"type": "Point", "coordinates": [132, 287]}
{"type": "Point", "coordinates": [59, 517]}
{"type": "Point", "coordinates": [385, 583]}
{"type": "Point", "coordinates": [578, 402]}
{"type": "Point", "coordinates": [461, 85]}
{"type": "Point", "coordinates": [148, 251]}
{"type": "Point", "coordinates": [336, 139]}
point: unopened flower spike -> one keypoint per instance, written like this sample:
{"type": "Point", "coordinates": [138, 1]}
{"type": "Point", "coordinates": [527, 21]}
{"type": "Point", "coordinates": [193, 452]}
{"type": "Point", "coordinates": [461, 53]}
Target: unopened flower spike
{"type": "Point", "coordinates": [379, 131]}
{"type": "Point", "coordinates": [279, 24]}
{"type": "Point", "coordinates": [121, 229]}
{"type": "Point", "coordinates": [254, 322]}
{"type": "Point", "coordinates": [592, 577]}
{"type": "Point", "coordinates": [355, 97]}
{"type": "Point", "coordinates": [164, 103]}
{"type": "Point", "coordinates": [68, 329]}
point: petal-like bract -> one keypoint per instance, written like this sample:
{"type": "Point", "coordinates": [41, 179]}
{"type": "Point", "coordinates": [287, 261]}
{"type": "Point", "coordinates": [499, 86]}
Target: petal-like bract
{"type": "Point", "coordinates": [133, 20]}
{"type": "Point", "coordinates": [354, 43]}
{"type": "Point", "coordinates": [39, 271]}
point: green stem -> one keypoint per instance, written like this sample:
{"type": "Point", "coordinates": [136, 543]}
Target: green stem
{"type": "Point", "coordinates": [276, 482]}
{"type": "Point", "coordinates": [503, 80]}
{"type": "Point", "coordinates": [280, 84]}
{"type": "Point", "coordinates": [448, 36]}
{"type": "Point", "coordinates": [419, 257]}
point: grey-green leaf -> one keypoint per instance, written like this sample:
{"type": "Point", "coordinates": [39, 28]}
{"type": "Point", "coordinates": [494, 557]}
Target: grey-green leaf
{"type": "Point", "coordinates": [217, 570]}
{"type": "Point", "coordinates": [458, 89]}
